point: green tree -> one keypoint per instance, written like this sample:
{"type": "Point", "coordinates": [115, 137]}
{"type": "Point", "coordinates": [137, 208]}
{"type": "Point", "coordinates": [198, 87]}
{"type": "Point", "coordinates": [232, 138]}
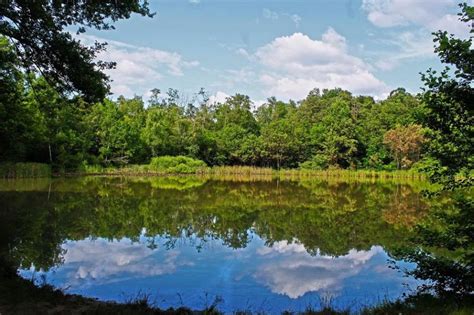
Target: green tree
{"type": "Point", "coordinates": [449, 98]}
{"type": "Point", "coordinates": [400, 108]}
{"type": "Point", "coordinates": [167, 131]}
{"type": "Point", "coordinates": [19, 130]}
{"type": "Point", "coordinates": [445, 255]}
{"type": "Point", "coordinates": [113, 140]}
{"type": "Point", "coordinates": [334, 136]}
{"type": "Point", "coordinates": [39, 30]}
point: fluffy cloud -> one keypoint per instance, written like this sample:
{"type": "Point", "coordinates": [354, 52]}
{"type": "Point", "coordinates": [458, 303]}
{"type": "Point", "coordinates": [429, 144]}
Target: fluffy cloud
{"type": "Point", "coordinates": [297, 273]}
{"type": "Point", "coordinates": [219, 97]}
{"type": "Point", "coordinates": [431, 15]}
{"type": "Point", "coordinates": [138, 68]}
{"type": "Point", "coordinates": [296, 64]}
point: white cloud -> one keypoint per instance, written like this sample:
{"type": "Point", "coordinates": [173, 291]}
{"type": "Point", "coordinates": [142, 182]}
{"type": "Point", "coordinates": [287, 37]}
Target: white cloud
{"type": "Point", "coordinates": [293, 272]}
{"type": "Point", "coordinates": [195, 1]}
{"type": "Point", "coordinates": [432, 15]}
{"type": "Point", "coordinates": [243, 52]}
{"type": "Point", "coordinates": [404, 46]}
{"type": "Point", "coordinates": [219, 97]}
{"type": "Point", "coordinates": [272, 15]}
{"type": "Point", "coordinates": [258, 103]}
{"type": "Point", "coordinates": [411, 43]}
{"type": "Point", "coordinates": [138, 68]}
{"type": "Point", "coordinates": [296, 19]}
{"type": "Point", "coordinates": [269, 14]}
{"type": "Point", "coordinates": [296, 64]}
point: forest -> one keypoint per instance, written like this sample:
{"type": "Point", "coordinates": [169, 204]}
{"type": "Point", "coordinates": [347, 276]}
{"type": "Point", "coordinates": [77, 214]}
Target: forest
{"type": "Point", "coordinates": [327, 129]}
{"type": "Point", "coordinates": [56, 113]}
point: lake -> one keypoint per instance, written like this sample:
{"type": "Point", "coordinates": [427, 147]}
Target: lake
{"type": "Point", "coordinates": [256, 244]}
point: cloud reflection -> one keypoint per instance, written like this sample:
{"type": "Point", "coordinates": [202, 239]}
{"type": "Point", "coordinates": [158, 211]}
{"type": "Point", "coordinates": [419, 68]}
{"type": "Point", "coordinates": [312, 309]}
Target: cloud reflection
{"type": "Point", "coordinates": [288, 269]}
{"type": "Point", "coordinates": [105, 262]}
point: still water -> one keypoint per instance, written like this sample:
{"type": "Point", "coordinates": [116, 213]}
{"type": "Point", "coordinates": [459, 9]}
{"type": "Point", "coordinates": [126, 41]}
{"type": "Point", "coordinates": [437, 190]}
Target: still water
{"type": "Point", "coordinates": [256, 244]}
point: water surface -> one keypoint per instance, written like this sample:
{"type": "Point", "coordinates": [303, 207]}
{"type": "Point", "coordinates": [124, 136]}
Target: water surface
{"type": "Point", "coordinates": [245, 244]}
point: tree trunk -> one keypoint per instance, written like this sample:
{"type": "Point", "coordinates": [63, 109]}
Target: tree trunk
{"type": "Point", "coordinates": [50, 154]}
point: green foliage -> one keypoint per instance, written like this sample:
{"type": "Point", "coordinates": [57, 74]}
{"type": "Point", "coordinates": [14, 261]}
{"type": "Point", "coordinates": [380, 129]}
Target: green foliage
{"type": "Point", "coordinates": [449, 96]}
{"type": "Point", "coordinates": [19, 128]}
{"type": "Point", "coordinates": [41, 31]}
{"type": "Point", "coordinates": [117, 128]}
{"type": "Point", "coordinates": [445, 255]}
{"type": "Point", "coordinates": [318, 162]}
{"type": "Point", "coordinates": [176, 164]}
{"type": "Point", "coordinates": [328, 129]}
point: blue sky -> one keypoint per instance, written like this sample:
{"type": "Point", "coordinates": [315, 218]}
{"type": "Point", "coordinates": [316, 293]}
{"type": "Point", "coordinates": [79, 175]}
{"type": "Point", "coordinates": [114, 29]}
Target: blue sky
{"type": "Point", "coordinates": [280, 48]}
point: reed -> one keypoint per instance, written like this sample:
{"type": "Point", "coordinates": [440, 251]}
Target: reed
{"type": "Point", "coordinates": [348, 174]}
{"type": "Point", "coordinates": [167, 166]}
{"type": "Point", "coordinates": [24, 170]}
{"type": "Point", "coordinates": [238, 170]}
{"type": "Point", "coordinates": [301, 173]}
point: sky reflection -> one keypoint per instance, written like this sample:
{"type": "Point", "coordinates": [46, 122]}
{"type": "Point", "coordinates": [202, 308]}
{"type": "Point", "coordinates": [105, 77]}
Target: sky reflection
{"type": "Point", "coordinates": [258, 277]}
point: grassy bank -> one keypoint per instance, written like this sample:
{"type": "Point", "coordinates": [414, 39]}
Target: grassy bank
{"type": "Point", "coordinates": [185, 165]}
{"type": "Point", "coordinates": [24, 170]}
{"type": "Point", "coordinates": [300, 173]}
{"type": "Point", "coordinates": [181, 165]}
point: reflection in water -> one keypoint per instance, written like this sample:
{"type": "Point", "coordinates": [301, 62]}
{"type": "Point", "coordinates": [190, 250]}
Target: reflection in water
{"type": "Point", "coordinates": [281, 275]}
{"type": "Point", "coordinates": [261, 245]}
{"type": "Point", "coordinates": [294, 273]}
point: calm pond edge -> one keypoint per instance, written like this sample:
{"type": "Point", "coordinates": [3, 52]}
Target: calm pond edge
{"type": "Point", "coordinates": [21, 296]}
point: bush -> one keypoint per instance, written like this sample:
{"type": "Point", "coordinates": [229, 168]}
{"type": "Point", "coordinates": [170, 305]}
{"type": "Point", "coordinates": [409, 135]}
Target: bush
{"type": "Point", "coordinates": [24, 170]}
{"type": "Point", "coordinates": [318, 162]}
{"type": "Point", "coordinates": [176, 165]}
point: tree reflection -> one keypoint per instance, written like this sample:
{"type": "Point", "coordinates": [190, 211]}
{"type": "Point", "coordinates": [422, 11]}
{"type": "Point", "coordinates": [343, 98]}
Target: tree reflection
{"type": "Point", "coordinates": [330, 218]}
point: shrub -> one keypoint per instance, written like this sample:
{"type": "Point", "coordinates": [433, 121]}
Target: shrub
{"type": "Point", "coordinates": [176, 165]}
{"type": "Point", "coordinates": [318, 162]}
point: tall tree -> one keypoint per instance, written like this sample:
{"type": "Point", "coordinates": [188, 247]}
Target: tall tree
{"type": "Point", "coordinates": [449, 98]}
{"type": "Point", "coordinates": [39, 30]}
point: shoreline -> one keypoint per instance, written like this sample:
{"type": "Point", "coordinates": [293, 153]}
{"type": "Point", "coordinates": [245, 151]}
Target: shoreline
{"type": "Point", "coordinates": [256, 172]}
{"type": "Point", "coordinates": [20, 296]}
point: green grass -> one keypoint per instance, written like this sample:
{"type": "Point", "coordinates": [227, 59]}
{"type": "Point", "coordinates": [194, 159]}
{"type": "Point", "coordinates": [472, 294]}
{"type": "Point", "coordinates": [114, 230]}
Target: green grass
{"type": "Point", "coordinates": [342, 173]}
{"type": "Point", "coordinates": [187, 165]}
{"type": "Point", "coordinates": [301, 173]}
{"type": "Point", "coordinates": [238, 170]}
{"type": "Point", "coordinates": [24, 170]}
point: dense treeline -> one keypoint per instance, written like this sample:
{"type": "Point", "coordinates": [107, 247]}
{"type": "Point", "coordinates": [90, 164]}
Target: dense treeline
{"type": "Point", "coordinates": [329, 128]}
